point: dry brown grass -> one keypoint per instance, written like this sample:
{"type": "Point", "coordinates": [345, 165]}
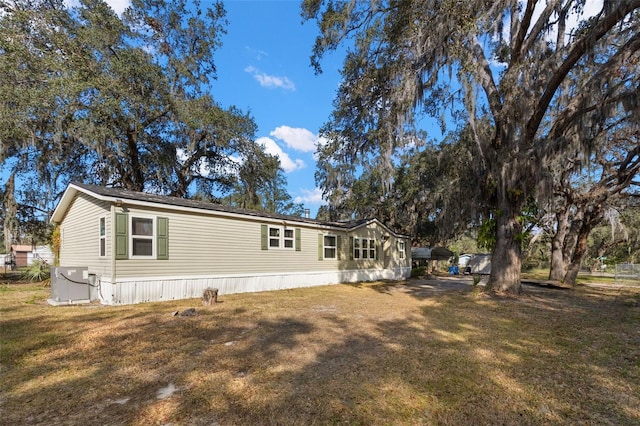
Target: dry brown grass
{"type": "Point", "coordinates": [380, 353]}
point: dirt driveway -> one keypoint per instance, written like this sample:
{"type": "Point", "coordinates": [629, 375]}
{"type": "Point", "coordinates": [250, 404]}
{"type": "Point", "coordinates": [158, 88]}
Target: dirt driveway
{"type": "Point", "coordinates": [424, 287]}
{"type": "Point", "coordinates": [427, 287]}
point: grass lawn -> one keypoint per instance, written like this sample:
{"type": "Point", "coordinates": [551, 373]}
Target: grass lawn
{"type": "Point", "coordinates": [378, 353]}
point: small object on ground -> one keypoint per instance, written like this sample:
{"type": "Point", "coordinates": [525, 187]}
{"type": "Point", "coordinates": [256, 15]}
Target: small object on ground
{"type": "Point", "coordinates": [175, 313]}
{"type": "Point", "coordinates": [210, 296]}
{"type": "Point", "coordinates": [188, 312]}
{"type": "Point", "coordinates": [166, 392]}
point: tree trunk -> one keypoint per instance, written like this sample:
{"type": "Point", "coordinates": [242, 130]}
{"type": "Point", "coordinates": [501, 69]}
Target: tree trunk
{"type": "Point", "coordinates": [210, 296]}
{"type": "Point", "coordinates": [558, 265]}
{"type": "Point", "coordinates": [10, 211]}
{"type": "Point", "coordinates": [136, 176]}
{"type": "Point", "coordinates": [590, 219]}
{"type": "Point", "coordinates": [506, 262]}
{"type": "Point", "coordinates": [576, 260]}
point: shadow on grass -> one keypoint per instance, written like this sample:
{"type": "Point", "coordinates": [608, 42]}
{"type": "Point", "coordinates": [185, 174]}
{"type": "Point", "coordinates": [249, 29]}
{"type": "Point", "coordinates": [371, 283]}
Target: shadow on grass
{"type": "Point", "coordinates": [383, 287]}
{"type": "Point", "coordinates": [417, 356]}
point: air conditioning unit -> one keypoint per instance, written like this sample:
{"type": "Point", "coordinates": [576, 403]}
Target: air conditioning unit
{"type": "Point", "coordinates": [69, 285]}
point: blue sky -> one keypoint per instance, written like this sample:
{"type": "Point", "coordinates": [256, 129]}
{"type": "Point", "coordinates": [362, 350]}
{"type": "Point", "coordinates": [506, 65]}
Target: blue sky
{"type": "Point", "coordinates": [264, 69]}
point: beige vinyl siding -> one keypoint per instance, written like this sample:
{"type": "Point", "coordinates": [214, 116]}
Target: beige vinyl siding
{"type": "Point", "coordinates": [387, 255]}
{"type": "Point", "coordinates": [372, 231]}
{"type": "Point", "coordinates": [394, 260]}
{"type": "Point", "coordinates": [204, 244]}
{"type": "Point", "coordinates": [80, 235]}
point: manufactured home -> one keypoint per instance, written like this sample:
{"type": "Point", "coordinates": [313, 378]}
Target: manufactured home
{"type": "Point", "coordinates": [123, 247]}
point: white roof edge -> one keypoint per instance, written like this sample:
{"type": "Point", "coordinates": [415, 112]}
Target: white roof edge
{"type": "Point", "coordinates": [65, 201]}
{"type": "Point", "coordinates": [370, 221]}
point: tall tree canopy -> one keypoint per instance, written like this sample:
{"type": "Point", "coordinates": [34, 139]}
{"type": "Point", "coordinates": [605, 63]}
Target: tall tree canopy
{"type": "Point", "coordinates": [542, 86]}
{"type": "Point", "coordinates": [121, 101]}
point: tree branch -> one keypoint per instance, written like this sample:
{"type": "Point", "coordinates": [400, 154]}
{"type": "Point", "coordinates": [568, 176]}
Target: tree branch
{"type": "Point", "coordinates": [573, 109]}
{"type": "Point", "coordinates": [525, 44]}
{"type": "Point", "coordinates": [486, 78]}
{"type": "Point", "coordinates": [579, 49]}
{"type": "Point", "coordinates": [516, 52]}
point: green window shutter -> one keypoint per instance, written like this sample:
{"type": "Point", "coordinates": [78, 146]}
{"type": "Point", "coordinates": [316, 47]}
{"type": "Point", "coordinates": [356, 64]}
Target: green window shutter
{"type": "Point", "coordinates": [162, 238]}
{"type": "Point", "coordinates": [320, 247]}
{"type": "Point", "coordinates": [264, 238]}
{"type": "Point", "coordinates": [350, 248]}
{"type": "Point", "coordinates": [339, 246]}
{"type": "Point", "coordinates": [122, 236]}
{"type": "Point", "coordinates": [298, 240]}
{"type": "Point", "coordinates": [378, 249]}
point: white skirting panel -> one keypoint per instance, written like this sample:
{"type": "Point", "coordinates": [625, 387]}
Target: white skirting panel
{"type": "Point", "coordinates": [156, 289]}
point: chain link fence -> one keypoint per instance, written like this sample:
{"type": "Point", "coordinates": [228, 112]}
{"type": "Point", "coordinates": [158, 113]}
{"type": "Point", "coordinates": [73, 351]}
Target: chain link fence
{"type": "Point", "coordinates": [628, 273]}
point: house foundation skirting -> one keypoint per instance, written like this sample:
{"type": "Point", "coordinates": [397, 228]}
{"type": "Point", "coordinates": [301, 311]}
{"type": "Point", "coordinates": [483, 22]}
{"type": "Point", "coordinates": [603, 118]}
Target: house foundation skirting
{"type": "Point", "coordinates": [156, 289]}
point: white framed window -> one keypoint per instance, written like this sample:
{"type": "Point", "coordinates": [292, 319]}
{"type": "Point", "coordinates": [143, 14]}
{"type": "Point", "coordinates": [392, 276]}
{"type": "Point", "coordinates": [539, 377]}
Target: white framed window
{"type": "Point", "coordinates": [401, 250]}
{"type": "Point", "coordinates": [142, 238]}
{"type": "Point", "coordinates": [281, 237]}
{"type": "Point", "coordinates": [102, 237]}
{"type": "Point", "coordinates": [288, 238]}
{"type": "Point", "coordinates": [364, 248]}
{"type": "Point", "coordinates": [274, 237]}
{"type": "Point", "coordinates": [330, 247]}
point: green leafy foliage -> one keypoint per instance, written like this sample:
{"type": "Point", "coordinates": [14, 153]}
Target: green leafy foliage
{"type": "Point", "coordinates": [122, 101]}
{"type": "Point", "coordinates": [420, 271]}
{"type": "Point", "coordinates": [415, 59]}
{"type": "Point", "coordinates": [38, 271]}
{"type": "Point", "coordinates": [487, 234]}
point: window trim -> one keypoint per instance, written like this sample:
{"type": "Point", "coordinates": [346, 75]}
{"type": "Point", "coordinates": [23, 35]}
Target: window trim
{"type": "Point", "coordinates": [365, 248]}
{"type": "Point", "coordinates": [292, 238]}
{"type": "Point", "coordinates": [275, 238]}
{"type": "Point", "coordinates": [153, 236]}
{"type": "Point", "coordinates": [102, 236]}
{"type": "Point", "coordinates": [402, 250]}
{"type": "Point", "coordinates": [281, 238]}
{"type": "Point", "coordinates": [334, 247]}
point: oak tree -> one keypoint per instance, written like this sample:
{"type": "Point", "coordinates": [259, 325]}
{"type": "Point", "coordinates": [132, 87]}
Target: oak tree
{"type": "Point", "coordinates": [506, 61]}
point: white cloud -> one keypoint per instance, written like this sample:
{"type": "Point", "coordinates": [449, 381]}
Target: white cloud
{"type": "Point", "coordinates": [297, 138]}
{"type": "Point", "coordinates": [270, 81]}
{"type": "Point", "coordinates": [203, 168]}
{"type": "Point", "coordinates": [591, 8]}
{"type": "Point", "coordinates": [118, 6]}
{"type": "Point", "coordinates": [258, 54]}
{"type": "Point", "coordinates": [271, 147]}
{"type": "Point", "coordinates": [309, 196]}
{"type": "Point", "coordinates": [320, 143]}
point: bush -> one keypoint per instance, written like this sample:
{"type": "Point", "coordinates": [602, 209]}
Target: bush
{"type": "Point", "coordinates": [37, 271]}
{"type": "Point", "coordinates": [420, 271]}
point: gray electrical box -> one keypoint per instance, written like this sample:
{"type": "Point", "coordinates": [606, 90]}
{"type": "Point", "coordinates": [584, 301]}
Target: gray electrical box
{"type": "Point", "coordinates": [69, 285]}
